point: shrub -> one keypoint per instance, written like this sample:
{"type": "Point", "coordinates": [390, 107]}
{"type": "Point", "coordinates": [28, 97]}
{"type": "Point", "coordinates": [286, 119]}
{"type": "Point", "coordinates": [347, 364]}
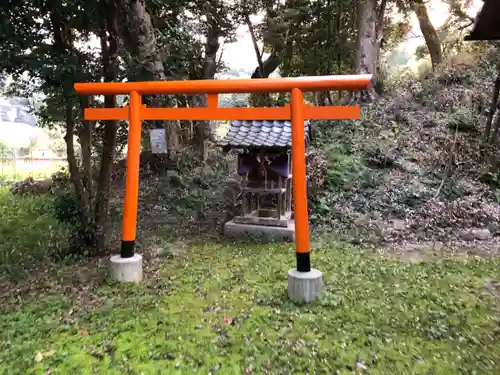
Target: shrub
{"type": "Point", "coordinates": [30, 186]}
{"type": "Point", "coordinates": [344, 171]}
{"type": "Point", "coordinates": [463, 120]}
{"type": "Point", "coordinates": [29, 230]}
{"type": "Point", "coordinates": [69, 211]}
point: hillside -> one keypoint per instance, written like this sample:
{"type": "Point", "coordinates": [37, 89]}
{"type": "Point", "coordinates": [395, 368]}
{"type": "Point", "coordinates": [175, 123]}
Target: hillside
{"type": "Point", "coordinates": [412, 169]}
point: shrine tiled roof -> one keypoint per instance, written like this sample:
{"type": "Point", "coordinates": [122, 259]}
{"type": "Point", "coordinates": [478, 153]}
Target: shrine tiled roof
{"type": "Point", "coordinates": [271, 134]}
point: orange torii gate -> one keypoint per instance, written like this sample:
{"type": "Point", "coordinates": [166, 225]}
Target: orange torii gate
{"type": "Point", "coordinates": [297, 112]}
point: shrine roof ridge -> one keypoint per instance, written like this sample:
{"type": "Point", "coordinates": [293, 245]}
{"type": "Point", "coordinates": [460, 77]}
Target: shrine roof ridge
{"type": "Point", "coordinates": [261, 134]}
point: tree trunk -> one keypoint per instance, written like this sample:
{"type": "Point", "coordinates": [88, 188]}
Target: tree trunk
{"type": "Point", "coordinates": [380, 30]}
{"type": "Point", "coordinates": [74, 172]}
{"type": "Point", "coordinates": [429, 32]}
{"type": "Point", "coordinates": [322, 98]}
{"type": "Point", "coordinates": [493, 109]}
{"type": "Point", "coordinates": [109, 52]}
{"type": "Point", "coordinates": [186, 126]}
{"type": "Point", "coordinates": [63, 44]}
{"type": "Point", "coordinates": [85, 137]}
{"type": "Point", "coordinates": [496, 130]}
{"type": "Point", "coordinates": [202, 129]}
{"type": "Point", "coordinates": [145, 61]}
{"type": "Point", "coordinates": [366, 43]}
{"type": "Point", "coordinates": [267, 67]}
{"type": "Point", "coordinates": [137, 33]}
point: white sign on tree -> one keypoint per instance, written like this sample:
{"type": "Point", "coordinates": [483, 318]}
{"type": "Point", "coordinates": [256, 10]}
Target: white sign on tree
{"type": "Point", "coordinates": [158, 142]}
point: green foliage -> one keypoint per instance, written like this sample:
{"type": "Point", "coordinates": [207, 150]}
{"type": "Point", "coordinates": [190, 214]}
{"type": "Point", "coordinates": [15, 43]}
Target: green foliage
{"type": "Point", "coordinates": [394, 31]}
{"type": "Point", "coordinates": [69, 211]}
{"type": "Point", "coordinates": [421, 52]}
{"type": "Point", "coordinates": [229, 314]}
{"type": "Point", "coordinates": [490, 178]}
{"type": "Point", "coordinates": [30, 231]}
{"type": "Point", "coordinates": [67, 208]}
{"type": "Point", "coordinates": [464, 120]}
{"type": "Point", "coordinates": [5, 150]}
{"type": "Point", "coordinates": [58, 147]}
{"type": "Point", "coordinates": [344, 171]}
{"type": "Point", "coordinates": [321, 38]}
{"type": "Point", "coordinates": [233, 100]}
{"type": "Point", "coordinates": [340, 172]}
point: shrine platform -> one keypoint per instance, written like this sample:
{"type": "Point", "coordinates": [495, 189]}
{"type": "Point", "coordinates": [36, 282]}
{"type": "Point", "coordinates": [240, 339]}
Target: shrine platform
{"type": "Point", "coordinates": [260, 233]}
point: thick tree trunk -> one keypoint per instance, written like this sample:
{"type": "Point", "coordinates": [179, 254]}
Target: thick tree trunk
{"type": "Point", "coordinates": [367, 46]}
{"type": "Point", "coordinates": [366, 43]}
{"type": "Point", "coordinates": [137, 33]}
{"type": "Point", "coordinates": [145, 59]}
{"type": "Point", "coordinates": [202, 129]}
{"type": "Point", "coordinates": [429, 32]}
{"type": "Point", "coordinates": [322, 98]}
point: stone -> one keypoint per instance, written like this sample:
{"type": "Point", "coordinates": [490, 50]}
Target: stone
{"type": "Point", "coordinates": [480, 234]}
{"type": "Point", "coordinates": [398, 224]}
{"type": "Point", "coordinates": [408, 167]}
{"type": "Point", "coordinates": [467, 98]}
{"type": "Point", "coordinates": [305, 287]}
{"type": "Point", "coordinates": [126, 269]}
{"type": "Point", "coordinates": [377, 159]}
{"type": "Point", "coordinates": [494, 228]}
{"type": "Point", "coordinates": [175, 179]}
{"type": "Point", "coordinates": [260, 233]}
{"type": "Point", "coordinates": [362, 220]}
{"type": "Point", "coordinates": [429, 123]}
{"type": "Point", "coordinates": [465, 235]}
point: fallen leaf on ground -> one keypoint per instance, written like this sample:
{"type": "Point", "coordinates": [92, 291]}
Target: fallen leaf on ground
{"type": "Point", "coordinates": [49, 353]}
{"type": "Point", "coordinates": [38, 357]}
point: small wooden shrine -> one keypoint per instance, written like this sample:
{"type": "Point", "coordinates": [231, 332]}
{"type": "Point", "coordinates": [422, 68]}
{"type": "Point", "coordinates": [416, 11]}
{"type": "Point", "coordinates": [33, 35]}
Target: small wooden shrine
{"type": "Point", "coordinates": [265, 164]}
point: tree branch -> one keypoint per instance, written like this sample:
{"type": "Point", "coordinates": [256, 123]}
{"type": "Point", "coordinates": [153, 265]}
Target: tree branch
{"type": "Point", "coordinates": [254, 42]}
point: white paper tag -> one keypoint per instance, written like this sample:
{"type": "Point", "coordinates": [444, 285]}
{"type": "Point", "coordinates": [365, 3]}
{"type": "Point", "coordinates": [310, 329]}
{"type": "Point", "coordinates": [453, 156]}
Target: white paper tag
{"type": "Point", "coordinates": [158, 142]}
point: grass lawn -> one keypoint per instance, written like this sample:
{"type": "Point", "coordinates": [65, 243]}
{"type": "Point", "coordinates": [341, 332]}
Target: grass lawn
{"type": "Point", "coordinates": [29, 231]}
{"type": "Point", "coordinates": [23, 169]}
{"type": "Point", "coordinates": [223, 309]}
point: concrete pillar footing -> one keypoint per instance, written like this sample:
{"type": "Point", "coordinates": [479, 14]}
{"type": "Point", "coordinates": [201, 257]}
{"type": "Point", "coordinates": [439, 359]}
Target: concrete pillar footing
{"type": "Point", "coordinates": [304, 286]}
{"type": "Point", "coordinates": [126, 269]}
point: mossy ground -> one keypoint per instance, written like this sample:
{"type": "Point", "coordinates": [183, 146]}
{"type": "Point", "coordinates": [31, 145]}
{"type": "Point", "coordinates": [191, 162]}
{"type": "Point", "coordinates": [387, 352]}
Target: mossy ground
{"type": "Point", "coordinates": [223, 309]}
